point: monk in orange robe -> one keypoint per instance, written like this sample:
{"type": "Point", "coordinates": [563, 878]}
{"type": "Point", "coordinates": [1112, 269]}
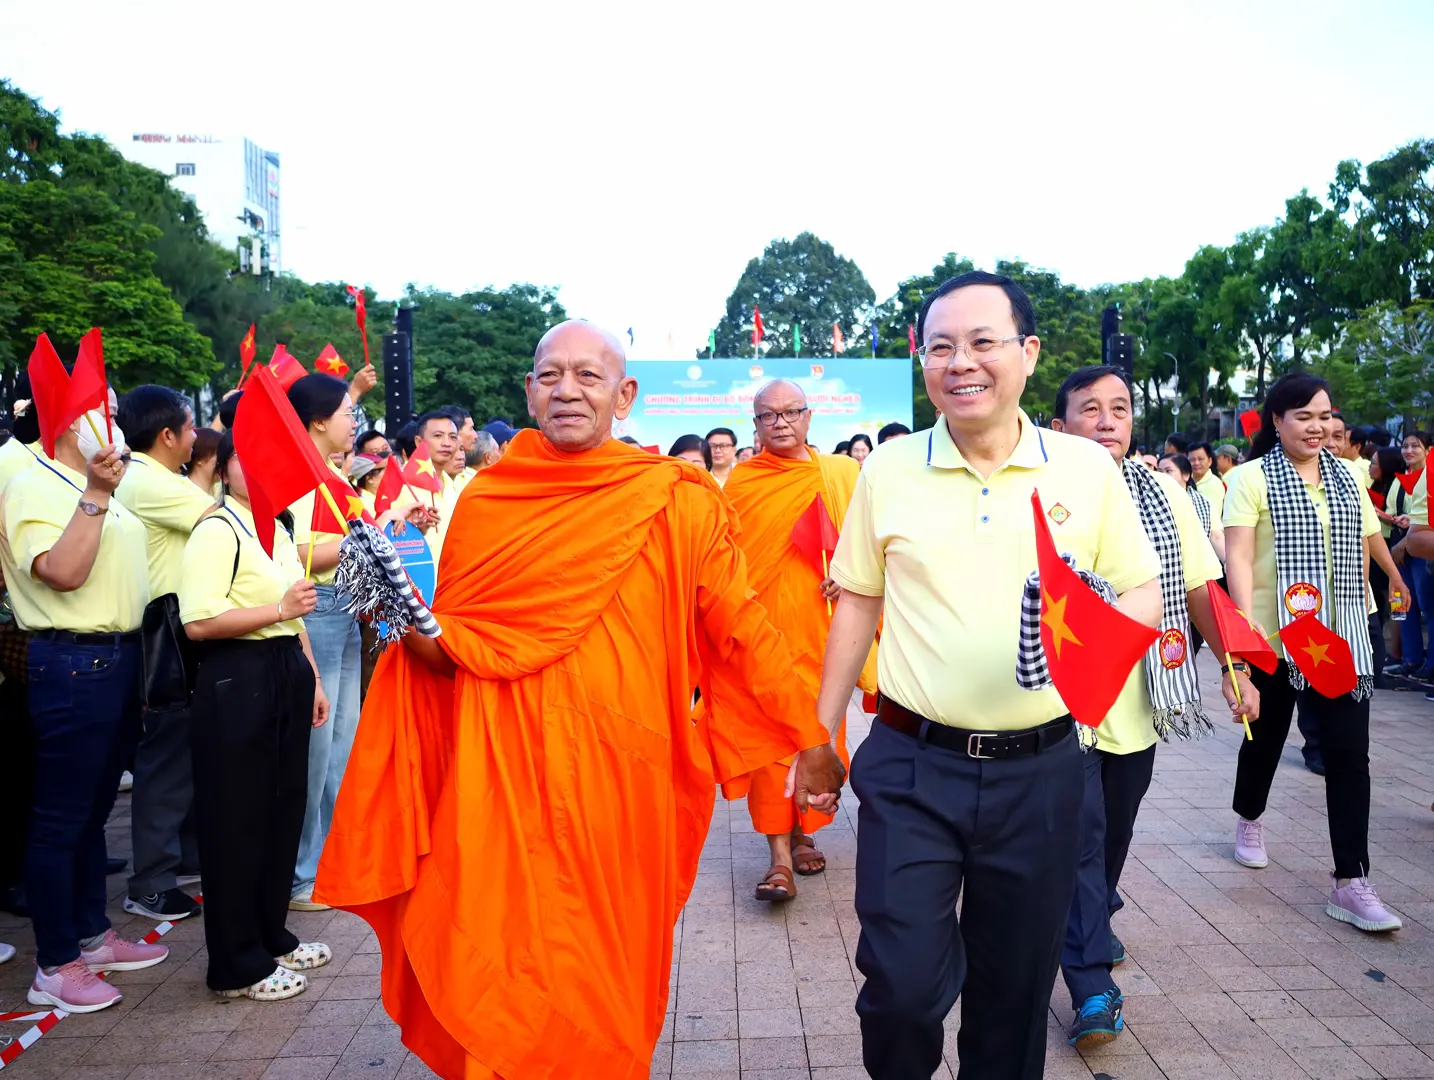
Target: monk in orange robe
{"type": "Point", "coordinates": [528, 793]}
{"type": "Point", "coordinates": [770, 493]}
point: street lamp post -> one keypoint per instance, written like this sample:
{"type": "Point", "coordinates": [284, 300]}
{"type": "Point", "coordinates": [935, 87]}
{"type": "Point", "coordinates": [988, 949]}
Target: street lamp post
{"type": "Point", "coordinates": [1175, 404]}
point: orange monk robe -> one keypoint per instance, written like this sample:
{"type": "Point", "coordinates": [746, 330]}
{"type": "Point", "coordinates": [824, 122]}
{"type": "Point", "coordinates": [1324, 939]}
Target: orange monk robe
{"type": "Point", "coordinates": [522, 835]}
{"type": "Point", "coordinates": [769, 494]}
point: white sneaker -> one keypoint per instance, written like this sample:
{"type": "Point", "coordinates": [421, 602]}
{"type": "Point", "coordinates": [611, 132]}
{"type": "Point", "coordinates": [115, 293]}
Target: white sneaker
{"type": "Point", "coordinates": [7, 952]}
{"type": "Point", "coordinates": [126, 781]}
{"type": "Point", "coordinates": [304, 901]}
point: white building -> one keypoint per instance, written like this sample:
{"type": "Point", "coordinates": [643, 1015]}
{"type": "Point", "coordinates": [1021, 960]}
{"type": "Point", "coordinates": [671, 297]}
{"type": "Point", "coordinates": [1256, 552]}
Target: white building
{"type": "Point", "coordinates": [233, 181]}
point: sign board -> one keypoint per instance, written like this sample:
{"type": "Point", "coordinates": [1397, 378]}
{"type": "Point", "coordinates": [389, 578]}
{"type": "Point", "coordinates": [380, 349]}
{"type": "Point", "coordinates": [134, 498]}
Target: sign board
{"type": "Point", "coordinates": [417, 559]}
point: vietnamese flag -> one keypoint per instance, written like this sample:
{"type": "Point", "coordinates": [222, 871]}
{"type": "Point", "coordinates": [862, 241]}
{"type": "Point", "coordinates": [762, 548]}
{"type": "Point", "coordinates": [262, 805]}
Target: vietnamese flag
{"type": "Point", "coordinates": [1090, 646]}
{"type": "Point", "coordinates": [759, 330]}
{"type": "Point", "coordinates": [1250, 422]}
{"type": "Point", "coordinates": [1377, 497]}
{"type": "Point", "coordinates": [89, 388]}
{"type": "Point", "coordinates": [815, 536]}
{"type": "Point", "coordinates": [247, 349]}
{"type": "Point", "coordinates": [420, 471]}
{"type": "Point", "coordinates": [331, 363]}
{"type": "Point", "coordinates": [1239, 633]}
{"type": "Point", "coordinates": [281, 463]}
{"type": "Point", "coordinates": [1323, 657]}
{"type": "Point", "coordinates": [347, 500]}
{"type": "Point", "coordinates": [1408, 480]}
{"type": "Point", "coordinates": [654, 449]}
{"type": "Point", "coordinates": [49, 390]}
{"type": "Point", "coordinates": [390, 485]}
{"type": "Point", "coordinates": [285, 368]}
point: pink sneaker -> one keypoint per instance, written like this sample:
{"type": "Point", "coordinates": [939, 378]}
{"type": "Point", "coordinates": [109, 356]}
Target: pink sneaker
{"type": "Point", "coordinates": [1358, 904]}
{"type": "Point", "coordinates": [74, 988]}
{"type": "Point", "coordinates": [1250, 844]}
{"type": "Point", "coordinates": [116, 954]}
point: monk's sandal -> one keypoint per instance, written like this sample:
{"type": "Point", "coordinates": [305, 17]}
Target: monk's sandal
{"type": "Point", "coordinates": [311, 954]}
{"type": "Point", "coordinates": [279, 986]}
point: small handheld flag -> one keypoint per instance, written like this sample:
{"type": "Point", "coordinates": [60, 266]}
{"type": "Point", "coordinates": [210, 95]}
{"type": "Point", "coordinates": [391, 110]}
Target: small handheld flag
{"type": "Point", "coordinates": [1323, 657]}
{"type": "Point", "coordinates": [361, 317]}
{"type": "Point", "coordinates": [815, 536]}
{"type": "Point", "coordinates": [1408, 481]}
{"type": "Point", "coordinates": [911, 337]}
{"type": "Point", "coordinates": [285, 368]}
{"type": "Point", "coordinates": [247, 350]}
{"type": "Point", "coordinates": [89, 387]}
{"type": "Point", "coordinates": [60, 397]}
{"type": "Point", "coordinates": [336, 506]}
{"type": "Point", "coordinates": [331, 363]}
{"type": "Point", "coordinates": [1250, 422]}
{"type": "Point", "coordinates": [1240, 637]}
{"type": "Point", "coordinates": [759, 329]}
{"type": "Point", "coordinates": [420, 472]}
{"type": "Point", "coordinates": [390, 485]}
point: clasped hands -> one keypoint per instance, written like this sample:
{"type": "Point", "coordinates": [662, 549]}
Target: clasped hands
{"type": "Point", "coordinates": [815, 779]}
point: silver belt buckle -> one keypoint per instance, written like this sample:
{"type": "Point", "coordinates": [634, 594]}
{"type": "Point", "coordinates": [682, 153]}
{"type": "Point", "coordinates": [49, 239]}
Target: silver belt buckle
{"type": "Point", "coordinates": [973, 748]}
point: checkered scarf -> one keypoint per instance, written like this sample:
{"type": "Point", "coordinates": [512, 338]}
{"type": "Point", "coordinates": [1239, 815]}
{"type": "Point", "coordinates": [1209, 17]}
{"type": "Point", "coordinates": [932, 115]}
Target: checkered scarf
{"type": "Point", "coordinates": [1202, 510]}
{"type": "Point", "coordinates": [1174, 691]}
{"type": "Point", "coordinates": [1299, 555]}
{"type": "Point", "coordinates": [371, 574]}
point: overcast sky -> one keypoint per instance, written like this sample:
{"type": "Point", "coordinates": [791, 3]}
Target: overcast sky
{"type": "Point", "coordinates": [637, 156]}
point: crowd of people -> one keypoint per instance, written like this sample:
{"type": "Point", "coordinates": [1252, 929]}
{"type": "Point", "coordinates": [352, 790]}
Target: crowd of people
{"type": "Point", "coordinates": [547, 746]}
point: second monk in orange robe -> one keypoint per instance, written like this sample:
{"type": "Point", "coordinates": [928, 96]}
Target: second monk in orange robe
{"type": "Point", "coordinates": [770, 493]}
{"type": "Point", "coordinates": [528, 793]}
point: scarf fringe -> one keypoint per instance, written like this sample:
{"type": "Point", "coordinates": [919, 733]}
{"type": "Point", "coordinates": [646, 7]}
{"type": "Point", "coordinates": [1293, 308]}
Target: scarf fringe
{"type": "Point", "coordinates": [1363, 686]}
{"type": "Point", "coordinates": [1085, 734]}
{"type": "Point", "coordinates": [1187, 721]}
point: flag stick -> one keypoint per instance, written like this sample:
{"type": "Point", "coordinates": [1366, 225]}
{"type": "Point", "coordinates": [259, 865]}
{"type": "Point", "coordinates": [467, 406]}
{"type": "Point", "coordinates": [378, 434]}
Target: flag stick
{"type": "Point", "coordinates": [309, 558]}
{"type": "Point", "coordinates": [826, 573]}
{"type": "Point", "coordinates": [1235, 682]}
{"type": "Point", "coordinates": [109, 424]}
{"type": "Point", "coordinates": [93, 427]}
{"type": "Point", "coordinates": [334, 506]}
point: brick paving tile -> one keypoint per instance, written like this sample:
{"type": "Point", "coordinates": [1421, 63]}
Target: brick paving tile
{"type": "Point", "coordinates": [1233, 974]}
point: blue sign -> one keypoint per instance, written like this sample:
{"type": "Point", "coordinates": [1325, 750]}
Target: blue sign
{"type": "Point", "coordinates": [417, 559]}
{"type": "Point", "coordinates": [847, 396]}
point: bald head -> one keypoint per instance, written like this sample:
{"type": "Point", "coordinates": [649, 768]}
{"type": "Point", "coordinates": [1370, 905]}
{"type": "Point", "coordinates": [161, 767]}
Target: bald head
{"type": "Point", "coordinates": [782, 418]}
{"type": "Point", "coordinates": [579, 386]}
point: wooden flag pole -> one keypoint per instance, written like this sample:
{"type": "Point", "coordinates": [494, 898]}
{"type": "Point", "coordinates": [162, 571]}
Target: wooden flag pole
{"type": "Point", "coordinates": [1235, 682]}
{"type": "Point", "coordinates": [309, 559]}
{"type": "Point", "coordinates": [826, 573]}
{"type": "Point", "coordinates": [334, 506]}
{"type": "Point", "coordinates": [95, 428]}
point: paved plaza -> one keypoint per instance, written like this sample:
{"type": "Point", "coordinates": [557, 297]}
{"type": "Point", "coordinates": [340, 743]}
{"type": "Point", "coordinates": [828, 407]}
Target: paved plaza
{"type": "Point", "coordinates": [1232, 972]}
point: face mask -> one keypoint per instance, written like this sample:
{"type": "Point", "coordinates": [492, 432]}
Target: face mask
{"type": "Point", "coordinates": [89, 445]}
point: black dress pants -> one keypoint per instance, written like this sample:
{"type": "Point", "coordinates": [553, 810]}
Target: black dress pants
{"type": "Point", "coordinates": [1343, 727]}
{"type": "Point", "coordinates": [933, 821]}
{"type": "Point", "coordinates": [252, 713]}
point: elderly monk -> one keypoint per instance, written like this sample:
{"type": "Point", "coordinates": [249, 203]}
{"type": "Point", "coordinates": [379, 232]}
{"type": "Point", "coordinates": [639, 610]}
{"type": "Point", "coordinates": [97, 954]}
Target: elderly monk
{"type": "Point", "coordinates": [528, 793]}
{"type": "Point", "coordinates": [770, 493]}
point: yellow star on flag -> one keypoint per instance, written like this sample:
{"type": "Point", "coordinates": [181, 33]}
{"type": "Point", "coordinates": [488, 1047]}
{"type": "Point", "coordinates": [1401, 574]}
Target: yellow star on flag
{"type": "Point", "coordinates": [426, 466]}
{"type": "Point", "coordinates": [356, 507]}
{"type": "Point", "coordinates": [1317, 653]}
{"type": "Point", "coordinates": [1055, 618]}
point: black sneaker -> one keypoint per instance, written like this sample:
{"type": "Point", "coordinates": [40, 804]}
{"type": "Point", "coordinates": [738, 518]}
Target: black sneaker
{"type": "Point", "coordinates": [168, 906]}
{"type": "Point", "coordinates": [1098, 1020]}
{"type": "Point", "coordinates": [1117, 951]}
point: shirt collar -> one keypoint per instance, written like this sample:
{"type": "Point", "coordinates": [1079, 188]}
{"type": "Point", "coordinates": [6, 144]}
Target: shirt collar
{"type": "Point", "coordinates": [1030, 451]}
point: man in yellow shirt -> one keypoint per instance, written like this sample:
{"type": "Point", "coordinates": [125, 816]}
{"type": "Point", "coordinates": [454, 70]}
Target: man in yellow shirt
{"type": "Point", "coordinates": [159, 427]}
{"type": "Point", "coordinates": [459, 469]}
{"type": "Point", "coordinates": [1207, 481]}
{"type": "Point", "coordinates": [439, 431]}
{"type": "Point", "coordinates": [967, 780]}
{"type": "Point", "coordinates": [1161, 697]}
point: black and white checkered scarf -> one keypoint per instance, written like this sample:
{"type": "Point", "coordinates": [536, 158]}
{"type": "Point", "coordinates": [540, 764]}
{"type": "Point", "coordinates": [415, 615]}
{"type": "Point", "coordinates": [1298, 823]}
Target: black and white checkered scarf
{"type": "Point", "coordinates": [1300, 559]}
{"type": "Point", "coordinates": [1202, 510]}
{"type": "Point", "coordinates": [371, 574]}
{"type": "Point", "coordinates": [1174, 691]}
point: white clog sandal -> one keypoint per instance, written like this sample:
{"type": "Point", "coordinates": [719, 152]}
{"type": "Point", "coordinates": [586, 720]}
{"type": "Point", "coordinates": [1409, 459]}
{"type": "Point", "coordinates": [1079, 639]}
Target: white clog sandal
{"type": "Point", "coordinates": [279, 986]}
{"type": "Point", "coordinates": [309, 955]}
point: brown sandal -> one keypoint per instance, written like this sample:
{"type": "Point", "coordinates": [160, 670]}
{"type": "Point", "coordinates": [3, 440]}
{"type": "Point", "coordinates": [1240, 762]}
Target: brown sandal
{"type": "Point", "coordinates": [806, 856]}
{"type": "Point", "coordinates": [778, 886]}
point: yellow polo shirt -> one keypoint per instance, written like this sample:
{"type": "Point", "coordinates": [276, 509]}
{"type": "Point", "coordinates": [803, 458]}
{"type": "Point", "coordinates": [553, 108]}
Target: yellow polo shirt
{"type": "Point", "coordinates": [39, 504]}
{"type": "Point", "coordinates": [1360, 465]}
{"type": "Point", "coordinates": [170, 506]}
{"type": "Point", "coordinates": [304, 534]}
{"type": "Point", "coordinates": [444, 500]}
{"type": "Point", "coordinates": [15, 458]}
{"type": "Point", "coordinates": [205, 590]}
{"type": "Point", "coordinates": [1128, 727]}
{"type": "Point", "coordinates": [1213, 488]}
{"type": "Point", "coordinates": [1247, 505]}
{"type": "Point", "coordinates": [1419, 504]}
{"type": "Point", "coordinates": [950, 552]}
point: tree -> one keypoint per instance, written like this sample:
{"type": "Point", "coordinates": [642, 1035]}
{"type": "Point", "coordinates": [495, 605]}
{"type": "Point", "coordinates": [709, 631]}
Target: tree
{"type": "Point", "coordinates": [1068, 324]}
{"type": "Point", "coordinates": [1392, 202]}
{"type": "Point", "coordinates": [1303, 268]}
{"type": "Point", "coordinates": [1385, 365]}
{"type": "Point", "coordinates": [796, 281]}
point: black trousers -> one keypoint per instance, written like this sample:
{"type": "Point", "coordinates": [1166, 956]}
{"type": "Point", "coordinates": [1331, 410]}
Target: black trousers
{"type": "Point", "coordinates": [932, 821]}
{"type": "Point", "coordinates": [252, 713]}
{"type": "Point", "coordinates": [162, 808]}
{"type": "Point", "coordinates": [1308, 724]}
{"type": "Point", "coordinates": [1114, 786]}
{"type": "Point", "coordinates": [1343, 727]}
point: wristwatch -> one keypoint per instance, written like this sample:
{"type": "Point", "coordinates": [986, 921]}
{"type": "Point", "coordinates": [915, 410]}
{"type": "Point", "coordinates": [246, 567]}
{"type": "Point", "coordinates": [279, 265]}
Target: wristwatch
{"type": "Point", "coordinates": [1239, 665]}
{"type": "Point", "coordinates": [92, 509]}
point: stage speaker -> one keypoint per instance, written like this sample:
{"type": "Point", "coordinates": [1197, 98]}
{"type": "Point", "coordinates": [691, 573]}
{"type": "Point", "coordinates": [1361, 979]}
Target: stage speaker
{"type": "Point", "coordinates": [397, 381]}
{"type": "Point", "coordinates": [1121, 353]}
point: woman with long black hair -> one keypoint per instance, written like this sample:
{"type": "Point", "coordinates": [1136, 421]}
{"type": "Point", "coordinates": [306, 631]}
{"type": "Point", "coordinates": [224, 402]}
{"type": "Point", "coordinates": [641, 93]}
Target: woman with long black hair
{"type": "Point", "coordinates": [257, 698]}
{"type": "Point", "coordinates": [1179, 469]}
{"type": "Point", "coordinates": [1297, 521]}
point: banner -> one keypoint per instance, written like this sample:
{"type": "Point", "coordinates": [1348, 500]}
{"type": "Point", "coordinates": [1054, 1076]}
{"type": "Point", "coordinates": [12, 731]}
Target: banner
{"type": "Point", "coordinates": [846, 396]}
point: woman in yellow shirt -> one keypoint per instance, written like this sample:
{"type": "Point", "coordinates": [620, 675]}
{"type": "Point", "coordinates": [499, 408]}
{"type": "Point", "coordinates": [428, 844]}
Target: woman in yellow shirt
{"type": "Point", "coordinates": [1297, 522]}
{"type": "Point", "coordinates": [324, 407]}
{"type": "Point", "coordinates": [257, 699]}
{"type": "Point", "coordinates": [77, 568]}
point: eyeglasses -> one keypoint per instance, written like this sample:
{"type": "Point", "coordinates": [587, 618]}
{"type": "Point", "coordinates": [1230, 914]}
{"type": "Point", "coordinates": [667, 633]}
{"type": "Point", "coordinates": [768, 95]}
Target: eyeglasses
{"type": "Point", "coordinates": [791, 416]}
{"type": "Point", "coordinates": [980, 350]}
{"type": "Point", "coordinates": [721, 446]}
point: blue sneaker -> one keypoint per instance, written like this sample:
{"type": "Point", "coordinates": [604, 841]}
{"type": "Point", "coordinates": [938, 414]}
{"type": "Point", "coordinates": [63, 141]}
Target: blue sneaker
{"type": "Point", "coordinates": [1117, 951]}
{"type": "Point", "coordinates": [1099, 1020]}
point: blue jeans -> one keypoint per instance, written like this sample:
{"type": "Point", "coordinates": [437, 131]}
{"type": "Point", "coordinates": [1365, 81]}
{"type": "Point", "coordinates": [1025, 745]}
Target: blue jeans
{"type": "Point", "coordinates": [334, 637]}
{"type": "Point", "coordinates": [84, 709]}
{"type": "Point", "coordinates": [1411, 630]}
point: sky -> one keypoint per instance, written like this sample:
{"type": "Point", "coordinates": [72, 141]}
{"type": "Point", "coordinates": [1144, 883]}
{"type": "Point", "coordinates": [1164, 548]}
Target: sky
{"type": "Point", "coordinates": [636, 156]}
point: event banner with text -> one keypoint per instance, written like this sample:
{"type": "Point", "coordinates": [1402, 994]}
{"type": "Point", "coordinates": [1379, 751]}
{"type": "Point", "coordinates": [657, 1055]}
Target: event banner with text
{"type": "Point", "coordinates": [846, 396]}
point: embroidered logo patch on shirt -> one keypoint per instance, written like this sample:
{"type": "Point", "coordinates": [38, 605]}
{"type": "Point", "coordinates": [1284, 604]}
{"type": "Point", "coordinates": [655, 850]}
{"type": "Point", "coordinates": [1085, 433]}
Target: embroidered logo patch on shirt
{"type": "Point", "coordinates": [1302, 598]}
{"type": "Point", "coordinates": [1059, 514]}
{"type": "Point", "coordinates": [1172, 649]}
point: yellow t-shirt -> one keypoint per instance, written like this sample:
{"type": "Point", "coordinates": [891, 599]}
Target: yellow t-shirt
{"type": "Point", "coordinates": [15, 458]}
{"type": "Point", "coordinates": [205, 590]}
{"type": "Point", "coordinates": [369, 502]}
{"type": "Point", "coordinates": [1213, 488]}
{"type": "Point", "coordinates": [1247, 505]}
{"type": "Point", "coordinates": [39, 504]}
{"type": "Point", "coordinates": [950, 552]}
{"type": "Point", "coordinates": [444, 500]}
{"type": "Point", "coordinates": [1419, 500]}
{"type": "Point", "coordinates": [1128, 727]}
{"type": "Point", "coordinates": [170, 506]}
{"type": "Point", "coordinates": [304, 534]}
{"type": "Point", "coordinates": [1360, 465]}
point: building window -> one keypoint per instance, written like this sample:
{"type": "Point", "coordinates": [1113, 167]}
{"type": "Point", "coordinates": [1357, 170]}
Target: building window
{"type": "Point", "coordinates": [184, 168]}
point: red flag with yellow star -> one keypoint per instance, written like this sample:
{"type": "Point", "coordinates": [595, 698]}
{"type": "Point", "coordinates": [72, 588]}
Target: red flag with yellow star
{"type": "Point", "coordinates": [390, 485]}
{"type": "Point", "coordinates": [285, 368]}
{"type": "Point", "coordinates": [815, 536]}
{"type": "Point", "coordinates": [1323, 657]}
{"type": "Point", "coordinates": [247, 349]}
{"type": "Point", "coordinates": [331, 363]}
{"type": "Point", "coordinates": [1090, 646]}
{"type": "Point", "coordinates": [346, 499]}
{"type": "Point", "coordinates": [1238, 633]}
{"type": "Point", "coordinates": [420, 472]}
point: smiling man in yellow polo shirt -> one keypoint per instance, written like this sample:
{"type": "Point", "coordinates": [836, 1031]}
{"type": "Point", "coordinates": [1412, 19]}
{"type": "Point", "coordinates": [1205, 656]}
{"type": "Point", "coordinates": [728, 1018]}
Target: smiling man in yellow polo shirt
{"type": "Point", "coordinates": [1160, 698]}
{"type": "Point", "coordinates": [967, 780]}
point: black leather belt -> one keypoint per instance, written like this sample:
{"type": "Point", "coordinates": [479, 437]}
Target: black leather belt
{"type": "Point", "coordinates": [69, 637]}
{"type": "Point", "coordinates": [980, 745]}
